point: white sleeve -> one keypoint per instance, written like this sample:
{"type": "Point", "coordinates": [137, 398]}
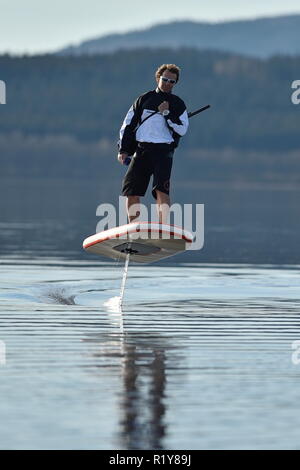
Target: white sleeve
{"type": "Point", "coordinates": [126, 121]}
{"type": "Point", "coordinates": [180, 128]}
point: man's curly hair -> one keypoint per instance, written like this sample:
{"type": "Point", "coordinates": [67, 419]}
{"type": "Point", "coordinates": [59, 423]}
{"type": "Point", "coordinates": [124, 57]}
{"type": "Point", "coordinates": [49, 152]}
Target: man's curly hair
{"type": "Point", "coordinates": [171, 67]}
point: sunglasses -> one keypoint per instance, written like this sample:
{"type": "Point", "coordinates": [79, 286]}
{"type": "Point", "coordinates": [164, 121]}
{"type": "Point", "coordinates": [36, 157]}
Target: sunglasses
{"type": "Point", "coordinates": [170, 80]}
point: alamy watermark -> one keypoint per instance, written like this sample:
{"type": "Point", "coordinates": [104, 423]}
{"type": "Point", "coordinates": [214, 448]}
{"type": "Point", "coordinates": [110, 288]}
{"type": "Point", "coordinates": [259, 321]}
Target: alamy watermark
{"type": "Point", "coordinates": [2, 92]}
{"type": "Point", "coordinates": [296, 353]}
{"type": "Point", "coordinates": [2, 353]}
{"type": "Point", "coordinates": [295, 97]}
{"type": "Point", "coordinates": [189, 217]}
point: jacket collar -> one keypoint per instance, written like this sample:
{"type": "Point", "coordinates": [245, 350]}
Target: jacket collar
{"type": "Point", "coordinates": [158, 90]}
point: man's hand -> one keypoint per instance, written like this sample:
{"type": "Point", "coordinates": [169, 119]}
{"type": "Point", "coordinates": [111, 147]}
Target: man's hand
{"type": "Point", "coordinates": [122, 156]}
{"type": "Point", "coordinates": [164, 105]}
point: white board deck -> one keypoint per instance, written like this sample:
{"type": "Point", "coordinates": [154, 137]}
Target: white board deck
{"type": "Point", "coordinates": [146, 242]}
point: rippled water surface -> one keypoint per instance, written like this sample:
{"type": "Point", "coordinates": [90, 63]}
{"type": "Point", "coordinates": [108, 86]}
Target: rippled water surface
{"type": "Point", "coordinates": [200, 357]}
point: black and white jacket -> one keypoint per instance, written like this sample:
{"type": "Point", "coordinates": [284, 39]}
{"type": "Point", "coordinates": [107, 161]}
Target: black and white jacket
{"type": "Point", "coordinates": [158, 128]}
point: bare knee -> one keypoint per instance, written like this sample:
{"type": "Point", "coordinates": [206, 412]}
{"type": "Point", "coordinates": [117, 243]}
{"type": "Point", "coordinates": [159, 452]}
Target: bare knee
{"type": "Point", "coordinates": [133, 200]}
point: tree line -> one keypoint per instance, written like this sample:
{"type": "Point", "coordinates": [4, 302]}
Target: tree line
{"type": "Point", "coordinates": [63, 114]}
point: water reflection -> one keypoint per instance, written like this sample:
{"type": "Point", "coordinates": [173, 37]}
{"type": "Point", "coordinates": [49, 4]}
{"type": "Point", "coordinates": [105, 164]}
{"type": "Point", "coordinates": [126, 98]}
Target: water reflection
{"type": "Point", "coordinates": [142, 406]}
{"type": "Point", "coordinates": [143, 361]}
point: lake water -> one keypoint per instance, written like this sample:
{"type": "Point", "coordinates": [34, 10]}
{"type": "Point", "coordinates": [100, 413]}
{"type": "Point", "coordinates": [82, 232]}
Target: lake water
{"type": "Point", "coordinates": [200, 357]}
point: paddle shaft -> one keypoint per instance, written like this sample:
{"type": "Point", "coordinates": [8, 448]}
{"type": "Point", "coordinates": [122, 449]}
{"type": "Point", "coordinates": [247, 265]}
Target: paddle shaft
{"type": "Point", "coordinates": [198, 111]}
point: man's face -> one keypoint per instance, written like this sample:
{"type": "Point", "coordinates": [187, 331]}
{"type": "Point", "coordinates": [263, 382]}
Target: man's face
{"type": "Point", "coordinates": [166, 86]}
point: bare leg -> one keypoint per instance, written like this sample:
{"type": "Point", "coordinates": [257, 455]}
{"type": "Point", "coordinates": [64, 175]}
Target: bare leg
{"type": "Point", "coordinates": [163, 205]}
{"type": "Point", "coordinates": [132, 212]}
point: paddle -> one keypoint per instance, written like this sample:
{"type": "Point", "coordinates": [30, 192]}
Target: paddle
{"type": "Point", "coordinates": [198, 111]}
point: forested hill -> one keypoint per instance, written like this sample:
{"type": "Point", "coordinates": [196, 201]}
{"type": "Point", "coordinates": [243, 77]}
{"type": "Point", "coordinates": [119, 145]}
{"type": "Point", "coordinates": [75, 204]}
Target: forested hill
{"type": "Point", "coordinates": [261, 37]}
{"type": "Point", "coordinates": [87, 97]}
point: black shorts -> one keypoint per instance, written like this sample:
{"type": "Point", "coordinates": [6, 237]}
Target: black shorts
{"type": "Point", "coordinates": [149, 159]}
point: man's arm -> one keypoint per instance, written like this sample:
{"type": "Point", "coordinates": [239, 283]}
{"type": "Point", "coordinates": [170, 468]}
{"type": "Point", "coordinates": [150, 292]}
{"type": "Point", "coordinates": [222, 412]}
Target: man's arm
{"type": "Point", "coordinates": [127, 131]}
{"type": "Point", "coordinates": [178, 124]}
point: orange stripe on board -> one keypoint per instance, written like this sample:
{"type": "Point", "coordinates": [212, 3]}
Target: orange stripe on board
{"type": "Point", "coordinates": [100, 240]}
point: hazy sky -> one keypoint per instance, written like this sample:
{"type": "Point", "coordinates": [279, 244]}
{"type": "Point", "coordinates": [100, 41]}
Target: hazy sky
{"type": "Point", "coordinates": [34, 26]}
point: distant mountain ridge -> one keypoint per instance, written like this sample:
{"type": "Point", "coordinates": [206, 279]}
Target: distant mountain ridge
{"type": "Point", "coordinates": [262, 37]}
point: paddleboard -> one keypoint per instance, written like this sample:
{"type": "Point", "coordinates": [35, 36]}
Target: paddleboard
{"type": "Point", "coordinates": [146, 242]}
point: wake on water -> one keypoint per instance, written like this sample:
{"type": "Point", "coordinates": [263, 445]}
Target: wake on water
{"type": "Point", "coordinates": [58, 295]}
{"type": "Point", "coordinates": [114, 304]}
